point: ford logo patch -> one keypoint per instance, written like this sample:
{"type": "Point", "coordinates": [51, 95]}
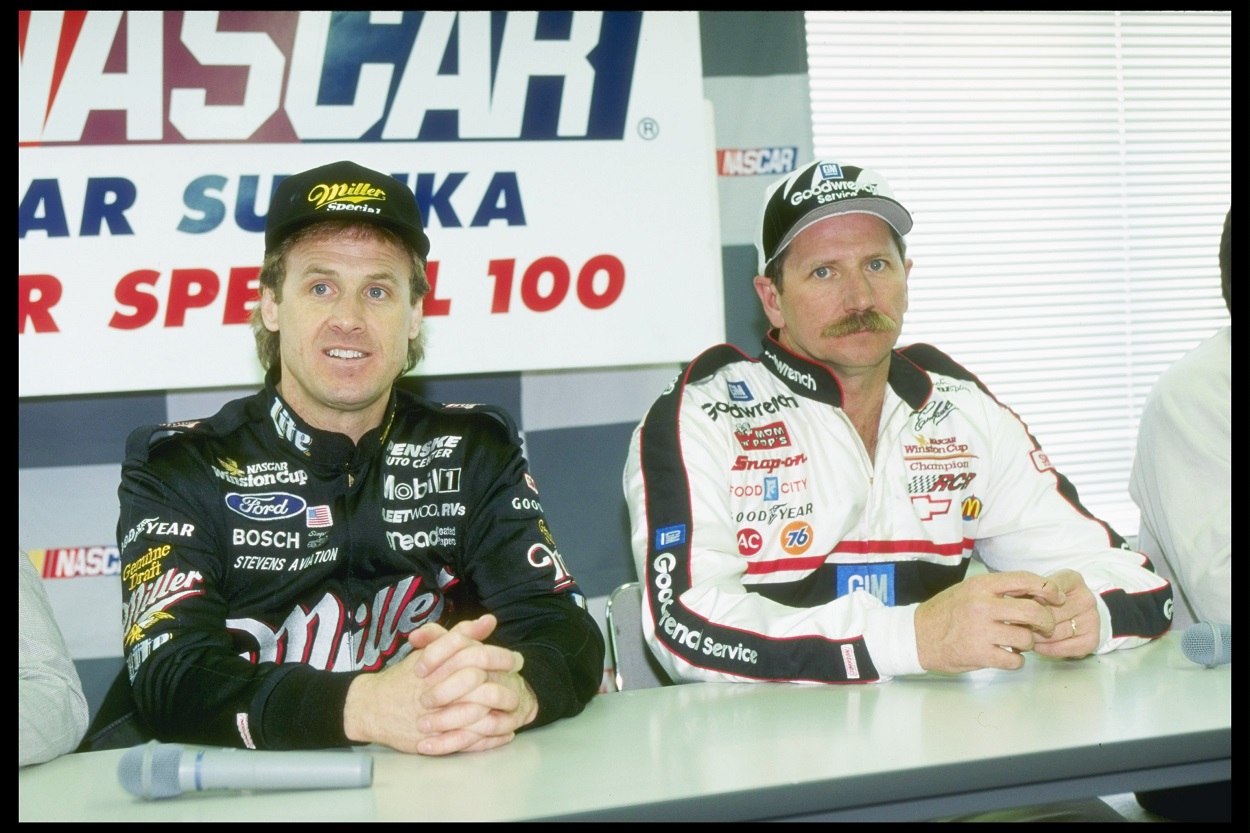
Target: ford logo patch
{"type": "Point", "coordinates": [268, 506]}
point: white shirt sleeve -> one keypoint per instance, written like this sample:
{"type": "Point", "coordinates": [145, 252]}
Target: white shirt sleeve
{"type": "Point", "coordinates": [52, 710]}
{"type": "Point", "coordinates": [1182, 480]}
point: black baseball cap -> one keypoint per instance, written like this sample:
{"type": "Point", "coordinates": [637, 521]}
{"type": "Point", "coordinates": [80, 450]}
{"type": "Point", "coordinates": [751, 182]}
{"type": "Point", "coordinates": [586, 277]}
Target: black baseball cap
{"type": "Point", "coordinates": [344, 190]}
{"type": "Point", "coordinates": [819, 190]}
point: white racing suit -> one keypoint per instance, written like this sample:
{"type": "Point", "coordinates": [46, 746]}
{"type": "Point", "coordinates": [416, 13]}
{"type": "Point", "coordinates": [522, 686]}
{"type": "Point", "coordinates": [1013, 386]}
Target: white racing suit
{"type": "Point", "coordinates": [772, 547]}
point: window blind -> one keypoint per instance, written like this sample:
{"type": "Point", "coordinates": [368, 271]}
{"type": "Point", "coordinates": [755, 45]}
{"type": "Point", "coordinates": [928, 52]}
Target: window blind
{"type": "Point", "coordinates": [1068, 174]}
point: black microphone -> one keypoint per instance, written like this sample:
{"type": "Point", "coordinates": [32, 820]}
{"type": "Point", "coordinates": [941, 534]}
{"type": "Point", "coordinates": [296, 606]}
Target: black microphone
{"type": "Point", "coordinates": [1208, 643]}
{"type": "Point", "coordinates": [158, 770]}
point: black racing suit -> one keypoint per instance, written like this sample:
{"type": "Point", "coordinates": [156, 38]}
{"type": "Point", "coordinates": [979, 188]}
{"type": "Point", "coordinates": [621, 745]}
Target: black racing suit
{"type": "Point", "coordinates": [266, 563]}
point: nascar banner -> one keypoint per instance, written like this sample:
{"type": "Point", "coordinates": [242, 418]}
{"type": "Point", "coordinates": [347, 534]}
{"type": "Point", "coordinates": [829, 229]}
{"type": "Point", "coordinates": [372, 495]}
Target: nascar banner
{"type": "Point", "coordinates": [563, 163]}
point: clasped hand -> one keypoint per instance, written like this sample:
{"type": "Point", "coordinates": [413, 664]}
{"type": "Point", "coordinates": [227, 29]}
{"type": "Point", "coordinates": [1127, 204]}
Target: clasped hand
{"type": "Point", "coordinates": [453, 693]}
{"type": "Point", "coordinates": [968, 626]}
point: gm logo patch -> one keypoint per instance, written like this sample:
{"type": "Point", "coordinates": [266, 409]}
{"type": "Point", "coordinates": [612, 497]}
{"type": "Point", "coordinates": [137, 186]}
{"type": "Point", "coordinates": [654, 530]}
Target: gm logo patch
{"type": "Point", "coordinates": [830, 170]}
{"type": "Point", "coordinates": [670, 536]}
{"type": "Point", "coordinates": [739, 392]}
{"type": "Point", "coordinates": [877, 579]}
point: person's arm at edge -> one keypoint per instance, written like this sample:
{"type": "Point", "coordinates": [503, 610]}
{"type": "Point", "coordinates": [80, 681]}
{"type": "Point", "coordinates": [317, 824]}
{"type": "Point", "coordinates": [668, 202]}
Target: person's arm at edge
{"type": "Point", "coordinates": [52, 709]}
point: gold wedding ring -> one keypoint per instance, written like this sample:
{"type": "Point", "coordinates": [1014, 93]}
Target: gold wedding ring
{"type": "Point", "coordinates": [1073, 621]}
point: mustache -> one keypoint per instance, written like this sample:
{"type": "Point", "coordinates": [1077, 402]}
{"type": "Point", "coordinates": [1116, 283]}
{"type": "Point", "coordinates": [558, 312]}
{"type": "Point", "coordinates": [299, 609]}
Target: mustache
{"type": "Point", "coordinates": [872, 321]}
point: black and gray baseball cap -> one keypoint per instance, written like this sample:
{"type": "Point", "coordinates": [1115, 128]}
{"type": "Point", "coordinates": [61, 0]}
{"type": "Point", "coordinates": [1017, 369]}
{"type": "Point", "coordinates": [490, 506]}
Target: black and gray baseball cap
{"type": "Point", "coordinates": [819, 190]}
{"type": "Point", "coordinates": [344, 190]}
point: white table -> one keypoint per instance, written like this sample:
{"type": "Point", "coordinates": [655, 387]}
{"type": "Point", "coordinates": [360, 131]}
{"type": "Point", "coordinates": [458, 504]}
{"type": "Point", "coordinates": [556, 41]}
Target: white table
{"type": "Point", "coordinates": [913, 748]}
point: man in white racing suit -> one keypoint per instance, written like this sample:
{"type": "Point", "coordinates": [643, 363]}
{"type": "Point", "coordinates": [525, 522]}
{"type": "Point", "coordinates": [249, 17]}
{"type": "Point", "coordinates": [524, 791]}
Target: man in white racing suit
{"type": "Point", "coordinates": [810, 515]}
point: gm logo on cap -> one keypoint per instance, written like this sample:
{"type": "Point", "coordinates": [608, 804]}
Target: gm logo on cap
{"type": "Point", "coordinates": [830, 170]}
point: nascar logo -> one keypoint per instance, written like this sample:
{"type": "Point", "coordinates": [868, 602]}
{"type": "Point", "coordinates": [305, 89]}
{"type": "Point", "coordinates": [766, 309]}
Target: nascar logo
{"type": "Point", "coordinates": [320, 75]}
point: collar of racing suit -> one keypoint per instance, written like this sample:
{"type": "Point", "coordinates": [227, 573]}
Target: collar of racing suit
{"type": "Point", "coordinates": [323, 447]}
{"type": "Point", "coordinates": [815, 381]}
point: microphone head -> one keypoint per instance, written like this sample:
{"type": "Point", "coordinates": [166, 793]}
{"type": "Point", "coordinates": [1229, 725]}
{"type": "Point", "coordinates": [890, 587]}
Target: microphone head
{"type": "Point", "coordinates": [1207, 643]}
{"type": "Point", "coordinates": [151, 770]}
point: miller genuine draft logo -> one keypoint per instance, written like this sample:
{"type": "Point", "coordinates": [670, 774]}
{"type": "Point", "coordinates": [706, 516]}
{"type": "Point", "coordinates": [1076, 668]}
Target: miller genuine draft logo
{"type": "Point", "coordinates": [356, 192]}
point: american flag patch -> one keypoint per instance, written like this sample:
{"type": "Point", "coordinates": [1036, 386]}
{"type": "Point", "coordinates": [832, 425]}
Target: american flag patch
{"type": "Point", "coordinates": [319, 516]}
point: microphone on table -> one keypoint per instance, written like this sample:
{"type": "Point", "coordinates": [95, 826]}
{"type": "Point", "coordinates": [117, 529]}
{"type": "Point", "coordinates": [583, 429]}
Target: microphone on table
{"type": "Point", "coordinates": [164, 770]}
{"type": "Point", "coordinates": [1208, 643]}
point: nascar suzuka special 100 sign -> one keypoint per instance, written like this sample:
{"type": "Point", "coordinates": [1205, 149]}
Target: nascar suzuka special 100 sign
{"type": "Point", "coordinates": [563, 163]}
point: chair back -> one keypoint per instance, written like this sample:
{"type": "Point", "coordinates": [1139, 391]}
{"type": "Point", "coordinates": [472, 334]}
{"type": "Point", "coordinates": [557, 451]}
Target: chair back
{"type": "Point", "coordinates": [632, 659]}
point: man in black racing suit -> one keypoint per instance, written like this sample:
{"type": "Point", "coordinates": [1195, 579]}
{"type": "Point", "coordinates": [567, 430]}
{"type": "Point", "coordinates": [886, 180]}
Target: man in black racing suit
{"type": "Point", "coordinates": [336, 560]}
